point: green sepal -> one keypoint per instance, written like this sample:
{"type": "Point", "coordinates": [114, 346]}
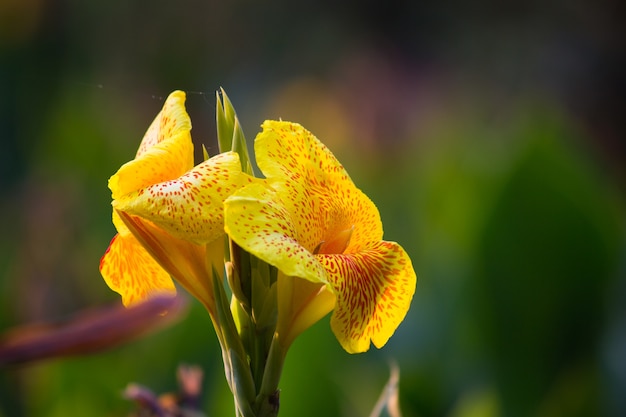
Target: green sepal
{"type": "Point", "coordinates": [230, 136]}
{"type": "Point", "coordinates": [225, 120]}
{"type": "Point", "coordinates": [240, 146]}
{"type": "Point", "coordinates": [241, 262]}
{"type": "Point", "coordinates": [264, 299]}
{"type": "Point", "coordinates": [266, 314]}
{"type": "Point", "coordinates": [243, 387]}
{"type": "Point", "coordinates": [240, 378]}
{"type": "Point", "coordinates": [234, 282]}
{"type": "Point", "coordinates": [205, 152]}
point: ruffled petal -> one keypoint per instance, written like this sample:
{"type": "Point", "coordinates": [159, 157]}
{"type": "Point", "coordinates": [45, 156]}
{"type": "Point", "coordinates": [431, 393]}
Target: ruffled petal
{"type": "Point", "coordinates": [286, 150]}
{"type": "Point", "coordinates": [165, 153]}
{"type": "Point", "coordinates": [129, 270]}
{"type": "Point", "coordinates": [191, 206]}
{"type": "Point", "coordinates": [309, 207]}
{"type": "Point", "coordinates": [320, 196]}
{"type": "Point", "coordinates": [257, 219]}
{"type": "Point", "coordinates": [374, 289]}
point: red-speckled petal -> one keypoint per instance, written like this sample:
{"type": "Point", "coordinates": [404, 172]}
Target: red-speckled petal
{"type": "Point", "coordinates": [374, 289]}
{"type": "Point", "coordinates": [130, 271]}
{"type": "Point", "coordinates": [309, 208]}
{"type": "Point", "coordinates": [286, 150]}
{"type": "Point", "coordinates": [171, 119]}
{"type": "Point", "coordinates": [165, 153]}
{"type": "Point", "coordinates": [191, 206]}
{"type": "Point", "coordinates": [258, 220]}
{"type": "Point", "coordinates": [320, 195]}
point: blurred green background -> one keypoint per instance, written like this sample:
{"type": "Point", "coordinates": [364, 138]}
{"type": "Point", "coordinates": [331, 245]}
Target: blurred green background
{"type": "Point", "coordinates": [490, 136]}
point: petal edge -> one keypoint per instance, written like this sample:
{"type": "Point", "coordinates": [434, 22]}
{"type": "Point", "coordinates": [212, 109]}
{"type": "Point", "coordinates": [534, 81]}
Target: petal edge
{"type": "Point", "coordinates": [374, 289]}
{"type": "Point", "coordinates": [129, 270]}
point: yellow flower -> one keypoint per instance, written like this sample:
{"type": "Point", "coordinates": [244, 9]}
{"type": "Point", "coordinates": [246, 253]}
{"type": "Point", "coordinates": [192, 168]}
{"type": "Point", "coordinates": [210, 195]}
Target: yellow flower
{"type": "Point", "coordinates": [311, 222]}
{"type": "Point", "coordinates": [168, 213]}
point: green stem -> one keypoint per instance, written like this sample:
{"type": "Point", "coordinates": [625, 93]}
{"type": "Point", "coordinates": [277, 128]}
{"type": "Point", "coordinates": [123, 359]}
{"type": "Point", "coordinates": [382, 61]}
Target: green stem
{"type": "Point", "coordinates": [236, 365]}
{"type": "Point", "coordinates": [267, 400]}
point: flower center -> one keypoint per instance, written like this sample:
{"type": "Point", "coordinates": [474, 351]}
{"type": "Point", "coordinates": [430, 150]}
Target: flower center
{"type": "Point", "coordinates": [337, 244]}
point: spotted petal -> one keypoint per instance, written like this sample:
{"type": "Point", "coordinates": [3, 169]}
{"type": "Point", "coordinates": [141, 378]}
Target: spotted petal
{"type": "Point", "coordinates": [374, 289]}
{"type": "Point", "coordinates": [129, 270]}
{"type": "Point", "coordinates": [165, 153]}
{"type": "Point", "coordinates": [171, 120]}
{"type": "Point", "coordinates": [310, 221]}
{"type": "Point", "coordinates": [322, 199]}
{"type": "Point", "coordinates": [259, 220]}
{"type": "Point", "coordinates": [189, 207]}
{"type": "Point", "coordinates": [287, 151]}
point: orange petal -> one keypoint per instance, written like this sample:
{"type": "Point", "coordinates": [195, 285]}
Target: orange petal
{"type": "Point", "coordinates": [130, 271]}
{"type": "Point", "coordinates": [374, 289]}
{"type": "Point", "coordinates": [191, 206]}
{"type": "Point", "coordinates": [165, 153]}
{"type": "Point", "coordinates": [338, 244]}
{"type": "Point", "coordinates": [184, 261]}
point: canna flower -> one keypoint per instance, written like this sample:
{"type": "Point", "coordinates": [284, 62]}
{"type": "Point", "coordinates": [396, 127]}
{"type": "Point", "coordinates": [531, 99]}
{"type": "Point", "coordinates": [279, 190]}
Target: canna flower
{"type": "Point", "coordinates": [169, 213]}
{"type": "Point", "coordinates": [324, 235]}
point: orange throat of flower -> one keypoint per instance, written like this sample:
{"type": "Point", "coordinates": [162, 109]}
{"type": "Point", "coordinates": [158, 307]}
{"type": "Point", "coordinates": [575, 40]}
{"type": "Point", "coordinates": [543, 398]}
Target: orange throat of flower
{"type": "Point", "coordinates": [337, 244]}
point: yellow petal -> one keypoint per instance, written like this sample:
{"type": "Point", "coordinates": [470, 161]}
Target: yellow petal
{"type": "Point", "coordinates": [172, 119]}
{"type": "Point", "coordinates": [257, 220]}
{"type": "Point", "coordinates": [374, 289]}
{"type": "Point", "coordinates": [301, 303]}
{"type": "Point", "coordinates": [286, 149]}
{"type": "Point", "coordinates": [166, 152]}
{"type": "Point", "coordinates": [183, 260]}
{"type": "Point", "coordinates": [320, 196]}
{"type": "Point", "coordinates": [307, 216]}
{"type": "Point", "coordinates": [130, 271]}
{"type": "Point", "coordinates": [191, 206]}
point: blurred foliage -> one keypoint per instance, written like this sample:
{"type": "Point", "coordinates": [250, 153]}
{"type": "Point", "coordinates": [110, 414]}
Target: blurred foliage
{"type": "Point", "coordinates": [489, 135]}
